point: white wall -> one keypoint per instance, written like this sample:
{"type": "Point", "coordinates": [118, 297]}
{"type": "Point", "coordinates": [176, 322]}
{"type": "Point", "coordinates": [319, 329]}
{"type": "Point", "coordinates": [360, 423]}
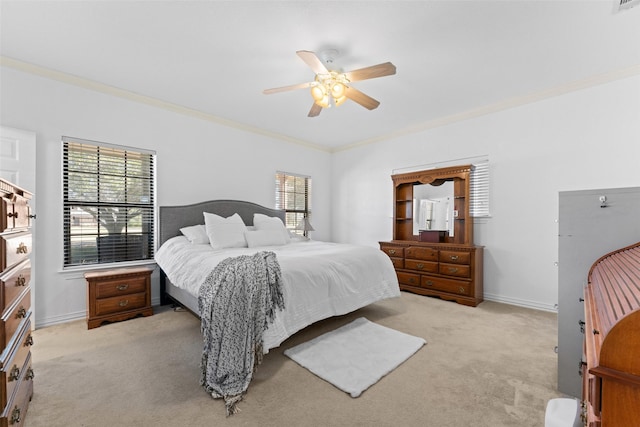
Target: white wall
{"type": "Point", "coordinates": [587, 139]}
{"type": "Point", "coordinates": [197, 160]}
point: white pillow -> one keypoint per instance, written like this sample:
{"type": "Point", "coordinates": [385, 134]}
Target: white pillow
{"type": "Point", "coordinates": [196, 234]}
{"type": "Point", "coordinates": [225, 232]}
{"type": "Point", "coordinates": [264, 222]}
{"type": "Point", "coordinates": [264, 238]}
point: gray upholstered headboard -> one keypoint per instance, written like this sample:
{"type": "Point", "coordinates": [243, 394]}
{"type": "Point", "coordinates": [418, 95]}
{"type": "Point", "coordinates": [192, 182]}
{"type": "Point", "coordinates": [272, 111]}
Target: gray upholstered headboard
{"type": "Point", "coordinates": [173, 218]}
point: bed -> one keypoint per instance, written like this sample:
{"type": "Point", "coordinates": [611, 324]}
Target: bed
{"type": "Point", "coordinates": [320, 279]}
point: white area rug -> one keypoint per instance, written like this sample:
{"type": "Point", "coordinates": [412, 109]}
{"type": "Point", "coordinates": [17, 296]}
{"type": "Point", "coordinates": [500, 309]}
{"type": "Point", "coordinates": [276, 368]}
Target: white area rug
{"type": "Point", "coordinates": [355, 356]}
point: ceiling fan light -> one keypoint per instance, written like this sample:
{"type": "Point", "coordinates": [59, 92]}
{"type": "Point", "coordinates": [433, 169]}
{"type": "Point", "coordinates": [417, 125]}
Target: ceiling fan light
{"type": "Point", "coordinates": [339, 101]}
{"type": "Point", "coordinates": [323, 102]}
{"type": "Point", "coordinates": [318, 92]}
{"type": "Point", "coordinates": [337, 90]}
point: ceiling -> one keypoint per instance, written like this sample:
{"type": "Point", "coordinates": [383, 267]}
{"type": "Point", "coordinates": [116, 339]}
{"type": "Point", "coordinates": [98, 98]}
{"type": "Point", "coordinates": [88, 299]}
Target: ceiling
{"type": "Point", "coordinates": [454, 59]}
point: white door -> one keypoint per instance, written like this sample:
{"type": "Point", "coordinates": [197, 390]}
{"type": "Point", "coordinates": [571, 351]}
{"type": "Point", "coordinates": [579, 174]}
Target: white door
{"type": "Point", "coordinates": [18, 165]}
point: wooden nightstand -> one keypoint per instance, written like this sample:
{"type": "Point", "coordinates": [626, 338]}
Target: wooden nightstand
{"type": "Point", "coordinates": [115, 295]}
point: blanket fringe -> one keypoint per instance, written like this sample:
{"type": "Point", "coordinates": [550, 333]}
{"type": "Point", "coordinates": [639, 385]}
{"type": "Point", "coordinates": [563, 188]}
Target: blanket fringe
{"type": "Point", "coordinates": [231, 403]}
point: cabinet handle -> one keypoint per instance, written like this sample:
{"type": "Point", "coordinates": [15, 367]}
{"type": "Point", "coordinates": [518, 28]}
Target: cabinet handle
{"type": "Point", "coordinates": [581, 364]}
{"type": "Point", "coordinates": [15, 415]}
{"type": "Point", "coordinates": [420, 266]}
{"type": "Point", "coordinates": [13, 215]}
{"type": "Point", "coordinates": [453, 270]}
{"type": "Point", "coordinates": [124, 303]}
{"type": "Point", "coordinates": [21, 281]}
{"type": "Point", "coordinates": [22, 248]}
{"type": "Point", "coordinates": [596, 332]}
{"type": "Point", "coordinates": [412, 280]}
{"type": "Point", "coordinates": [429, 283]}
{"type": "Point", "coordinates": [29, 341]}
{"type": "Point", "coordinates": [30, 374]}
{"type": "Point", "coordinates": [22, 313]}
{"type": "Point", "coordinates": [392, 251]}
{"type": "Point", "coordinates": [14, 374]}
{"type": "Point", "coordinates": [122, 287]}
{"type": "Point", "coordinates": [461, 290]}
{"type": "Point", "coordinates": [454, 257]}
{"type": "Point", "coordinates": [581, 324]}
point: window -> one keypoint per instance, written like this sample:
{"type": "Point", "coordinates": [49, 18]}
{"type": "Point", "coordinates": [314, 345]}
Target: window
{"type": "Point", "coordinates": [293, 195]}
{"type": "Point", "coordinates": [480, 189]}
{"type": "Point", "coordinates": [108, 202]}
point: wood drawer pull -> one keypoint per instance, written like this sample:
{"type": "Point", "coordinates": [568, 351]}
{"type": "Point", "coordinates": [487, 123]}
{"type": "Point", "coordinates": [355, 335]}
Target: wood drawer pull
{"type": "Point", "coordinates": [123, 303]}
{"type": "Point", "coordinates": [122, 287]}
{"type": "Point", "coordinates": [21, 281]}
{"type": "Point", "coordinates": [454, 257]}
{"type": "Point", "coordinates": [15, 416]}
{"type": "Point", "coordinates": [22, 313]}
{"type": "Point", "coordinates": [22, 249]}
{"type": "Point", "coordinates": [392, 251]}
{"type": "Point", "coordinates": [14, 374]}
{"type": "Point", "coordinates": [420, 266]}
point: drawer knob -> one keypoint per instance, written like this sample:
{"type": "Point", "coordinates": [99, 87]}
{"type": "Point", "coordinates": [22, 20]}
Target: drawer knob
{"type": "Point", "coordinates": [15, 415]}
{"type": "Point", "coordinates": [21, 280]}
{"type": "Point", "coordinates": [14, 374]}
{"type": "Point", "coordinates": [122, 287]}
{"type": "Point", "coordinates": [22, 313]}
{"type": "Point", "coordinates": [420, 266]}
{"type": "Point", "coordinates": [29, 341]}
{"type": "Point", "coordinates": [30, 374]}
{"type": "Point", "coordinates": [454, 257]}
{"type": "Point", "coordinates": [429, 283]}
{"type": "Point", "coordinates": [392, 251]}
{"type": "Point", "coordinates": [22, 248]}
{"type": "Point", "coordinates": [123, 303]}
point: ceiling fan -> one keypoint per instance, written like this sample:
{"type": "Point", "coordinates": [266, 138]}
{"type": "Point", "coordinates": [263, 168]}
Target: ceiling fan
{"type": "Point", "coordinates": [330, 86]}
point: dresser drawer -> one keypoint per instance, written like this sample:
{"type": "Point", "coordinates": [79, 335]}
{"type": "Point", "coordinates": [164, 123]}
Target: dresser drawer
{"type": "Point", "coordinates": [392, 251]}
{"type": "Point", "coordinates": [13, 282]}
{"type": "Point", "coordinates": [13, 317]}
{"type": "Point", "coordinates": [397, 262]}
{"type": "Point", "coordinates": [456, 270]}
{"type": "Point", "coordinates": [455, 257]}
{"type": "Point", "coordinates": [408, 278]}
{"type": "Point", "coordinates": [446, 285]}
{"type": "Point", "coordinates": [16, 247]}
{"type": "Point", "coordinates": [120, 303]}
{"type": "Point", "coordinates": [124, 286]}
{"type": "Point", "coordinates": [16, 410]}
{"type": "Point", "coordinates": [16, 366]}
{"type": "Point", "coordinates": [417, 252]}
{"type": "Point", "coordinates": [15, 214]}
{"type": "Point", "coordinates": [426, 266]}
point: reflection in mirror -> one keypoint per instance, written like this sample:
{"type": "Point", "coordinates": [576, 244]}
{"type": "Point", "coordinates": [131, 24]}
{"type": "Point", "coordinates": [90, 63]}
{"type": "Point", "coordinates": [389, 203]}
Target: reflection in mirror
{"type": "Point", "coordinates": [433, 207]}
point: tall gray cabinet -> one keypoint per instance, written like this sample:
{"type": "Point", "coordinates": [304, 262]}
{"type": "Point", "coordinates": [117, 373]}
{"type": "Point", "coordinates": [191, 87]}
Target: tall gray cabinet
{"type": "Point", "coordinates": [591, 224]}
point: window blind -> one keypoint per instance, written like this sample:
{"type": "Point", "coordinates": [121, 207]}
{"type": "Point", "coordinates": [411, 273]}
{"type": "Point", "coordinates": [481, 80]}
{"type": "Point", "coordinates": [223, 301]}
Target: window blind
{"type": "Point", "coordinates": [293, 195]}
{"type": "Point", "coordinates": [108, 202]}
{"type": "Point", "coordinates": [480, 189]}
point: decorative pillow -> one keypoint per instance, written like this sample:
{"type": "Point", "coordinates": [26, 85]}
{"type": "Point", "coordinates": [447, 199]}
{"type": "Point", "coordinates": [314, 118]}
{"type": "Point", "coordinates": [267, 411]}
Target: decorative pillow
{"type": "Point", "coordinates": [264, 222]}
{"type": "Point", "coordinates": [264, 238]}
{"type": "Point", "coordinates": [225, 232]}
{"type": "Point", "coordinates": [196, 234]}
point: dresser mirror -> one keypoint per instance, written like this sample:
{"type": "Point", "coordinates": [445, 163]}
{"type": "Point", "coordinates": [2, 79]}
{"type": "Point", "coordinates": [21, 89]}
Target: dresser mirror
{"type": "Point", "coordinates": [433, 205]}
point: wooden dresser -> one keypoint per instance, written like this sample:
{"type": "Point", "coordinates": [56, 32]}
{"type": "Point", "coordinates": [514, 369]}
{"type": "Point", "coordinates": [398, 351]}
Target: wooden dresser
{"type": "Point", "coordinates": [119, 294]}
{"type": "Point", "coordinates": [449, 271]}
{"type": "Point", "coordinates": [611, 364]}
{"type": "Point", "coordinates": [16, 374]}
{"type": "Point", "coordinates": [436, 262]}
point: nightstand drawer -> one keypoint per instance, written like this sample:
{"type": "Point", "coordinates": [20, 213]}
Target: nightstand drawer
{"type": "Point", "coordinates": [120, 303]}
{"type": "Point", "coordinates": [121, 287]}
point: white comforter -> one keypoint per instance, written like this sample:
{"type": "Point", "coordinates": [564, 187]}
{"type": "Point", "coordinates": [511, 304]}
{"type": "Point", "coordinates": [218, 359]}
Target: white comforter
{"type": "Point", "coordinates": [320, 279]}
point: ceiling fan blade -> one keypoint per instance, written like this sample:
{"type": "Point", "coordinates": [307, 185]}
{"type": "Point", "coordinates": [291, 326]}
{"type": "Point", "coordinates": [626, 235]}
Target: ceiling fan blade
{"type": "Point", "coordinates": [372, 72]}
{"type": "Point", "coordinates": [365, 100]}
{"type": "Point", "coordinates": [315, 110]}
{"type": "Point", "coordinates": [312, 61]}
{"type": "Point", "coordinates": [286, 88]}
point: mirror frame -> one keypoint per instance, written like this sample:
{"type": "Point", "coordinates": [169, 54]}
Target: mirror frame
{"type": "Point", "coordinates": [403, 201]}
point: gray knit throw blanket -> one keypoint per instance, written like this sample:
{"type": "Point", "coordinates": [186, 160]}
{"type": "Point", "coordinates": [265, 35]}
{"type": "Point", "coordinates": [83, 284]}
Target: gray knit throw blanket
{"type": "Point", "coordinates": [237, 303]}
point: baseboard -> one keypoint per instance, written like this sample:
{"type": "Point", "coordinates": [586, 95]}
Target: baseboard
{"type": "Point", "coordinates": [521, 302]}
{"type": "Point", "coordinates": [70, 317]}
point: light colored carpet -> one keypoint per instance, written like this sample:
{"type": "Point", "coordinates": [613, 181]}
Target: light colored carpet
{"type": "Point", "coordinates": [355, 356]}
{"type": "Point", "coordinates": [488, 366]}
